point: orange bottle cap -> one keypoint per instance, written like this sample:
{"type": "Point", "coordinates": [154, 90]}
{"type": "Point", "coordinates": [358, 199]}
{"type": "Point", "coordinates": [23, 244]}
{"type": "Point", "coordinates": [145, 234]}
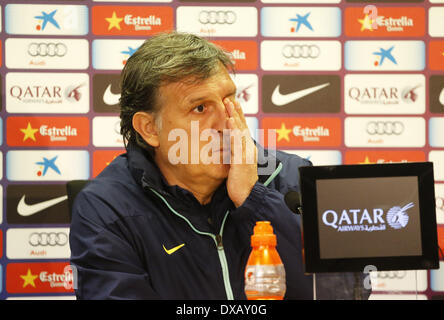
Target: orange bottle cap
{"type": "Point", "coordinates": [263, 234]}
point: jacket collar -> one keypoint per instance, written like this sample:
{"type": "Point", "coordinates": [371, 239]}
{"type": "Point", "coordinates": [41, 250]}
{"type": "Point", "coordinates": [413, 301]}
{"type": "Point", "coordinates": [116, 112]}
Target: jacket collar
{"type": "Point", "coordinates": [147, 174]}
{"type": "Point", "coordinates": [267, 163]}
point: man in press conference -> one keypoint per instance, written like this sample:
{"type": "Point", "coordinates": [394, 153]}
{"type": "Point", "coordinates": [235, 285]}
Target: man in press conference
{"type": "Point", "coordinates": [152, 227]}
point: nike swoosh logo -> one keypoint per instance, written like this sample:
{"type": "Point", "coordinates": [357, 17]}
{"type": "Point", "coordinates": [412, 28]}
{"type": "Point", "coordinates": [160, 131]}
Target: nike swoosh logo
{"type": "Point", "coordinates": [110, 98]}
{"type": "Point", "coordinates": [441, 97]}
{"type": "Point", "coordinates": [172, 250]}
{"type": "Point", "coordinates": [282, 99]}
{"type": "Point", "coordinates": [26, 210]}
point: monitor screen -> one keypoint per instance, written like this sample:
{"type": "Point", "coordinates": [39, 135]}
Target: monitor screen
{"type": "Point", "coordinates": [358, 215]}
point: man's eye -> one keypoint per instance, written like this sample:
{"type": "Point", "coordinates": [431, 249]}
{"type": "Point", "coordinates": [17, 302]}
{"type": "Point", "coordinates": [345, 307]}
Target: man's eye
{"type": "Point", "coordinates": [199, 109]}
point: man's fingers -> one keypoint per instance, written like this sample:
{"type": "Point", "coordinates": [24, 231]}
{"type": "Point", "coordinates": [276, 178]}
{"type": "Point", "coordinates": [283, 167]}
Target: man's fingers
{"type": "Point", "coordinates": [230, 107]}
{"type": "Point", "coordinates": [243, 149]}
{"type": "Point", "coordinates": [239, 110]}
{"type": "Point", "coordinates": [235, 111]}
{"type": "Point", "coordinates": [231, 123]}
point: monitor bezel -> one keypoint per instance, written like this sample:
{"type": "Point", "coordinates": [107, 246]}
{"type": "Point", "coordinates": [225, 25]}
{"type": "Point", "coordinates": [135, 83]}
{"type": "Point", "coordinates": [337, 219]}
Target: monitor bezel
{"type": "Point", "coordinates": [426, 193]}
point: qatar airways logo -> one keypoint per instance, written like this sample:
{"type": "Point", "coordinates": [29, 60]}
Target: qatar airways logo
{"type": "Point", "coordinates": [367, 220]}
{"type": "Point", "coordinates": [46, 94]}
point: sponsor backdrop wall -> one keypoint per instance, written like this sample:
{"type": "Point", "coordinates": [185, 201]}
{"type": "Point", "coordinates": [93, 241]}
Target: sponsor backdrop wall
{"type": "Point", "coordinates": [339, 82]}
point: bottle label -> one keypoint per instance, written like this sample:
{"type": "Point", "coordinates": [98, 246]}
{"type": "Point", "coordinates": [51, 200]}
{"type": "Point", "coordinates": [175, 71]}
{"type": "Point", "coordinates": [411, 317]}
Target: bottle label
{"type": "Point", "coordinates": [262, 281]}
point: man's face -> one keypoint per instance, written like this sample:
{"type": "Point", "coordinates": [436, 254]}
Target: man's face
{"type": "Point", "coordinates": [188, 109]}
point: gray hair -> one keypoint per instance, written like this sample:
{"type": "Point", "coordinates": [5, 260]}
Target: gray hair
{"type": "Point", "coordinates": [162, 59]}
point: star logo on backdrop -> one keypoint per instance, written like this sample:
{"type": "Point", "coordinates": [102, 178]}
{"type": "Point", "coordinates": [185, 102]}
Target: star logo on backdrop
{"type": "Point", "coordinates": [47, 17]}
{"type": "Point", "coordinates": [283, 133]}
{"type": "Point", "coordinates": [29, 132]}
{"type": "Point", "coordinates": [366, 161]}
{"type": "Point", "coordinates": [28, 279]}
{"type": "Point", "coordinates": [108, 162]}
{"type": "Point", "coordinates": [301, 20]}
{"type": "Point", "coordinates": [114, 21]}
{"type": "Point", "coordinates": [48, 164]}
{"type": "Point", "coordinates": [128, 52]}
{"type": "Point", "coordinates": [366, 23]}
{"type": "Point", "coordinates": [383, 53]}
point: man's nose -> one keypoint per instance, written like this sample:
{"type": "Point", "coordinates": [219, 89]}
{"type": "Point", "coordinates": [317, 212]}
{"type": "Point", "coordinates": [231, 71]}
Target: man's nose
{"type": "Point", "coordinates": [220, 117]}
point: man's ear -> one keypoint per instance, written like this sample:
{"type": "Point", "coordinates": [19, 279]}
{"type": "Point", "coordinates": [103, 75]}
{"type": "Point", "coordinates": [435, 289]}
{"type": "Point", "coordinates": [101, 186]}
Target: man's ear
{"type": "Point", "coordinates": [144, 123]}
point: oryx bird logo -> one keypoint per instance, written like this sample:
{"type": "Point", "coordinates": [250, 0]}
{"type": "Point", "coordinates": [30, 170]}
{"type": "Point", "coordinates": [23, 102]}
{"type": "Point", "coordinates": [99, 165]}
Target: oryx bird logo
{"type": "Point", "coordinates": [397, 217]}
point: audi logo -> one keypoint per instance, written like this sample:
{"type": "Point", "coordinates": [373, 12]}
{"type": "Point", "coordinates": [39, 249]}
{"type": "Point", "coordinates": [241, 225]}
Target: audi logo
{"type": "Point", "coordinates": [217, 17]}
{"type": "Point", "coordinates": [385, 127]}
{"type": "Point", "coordinates": [48, 239]}
{"type": "Point", "coordinates": [47, 49]}
{"type": "Point", "coordinates": [391, 274]}
{"type": "Point", "coordinates": [301, 51]}
{"type": "Point", "coordinates": [440, 203]}
{"type": "Point", "coordinates": [117, 127]}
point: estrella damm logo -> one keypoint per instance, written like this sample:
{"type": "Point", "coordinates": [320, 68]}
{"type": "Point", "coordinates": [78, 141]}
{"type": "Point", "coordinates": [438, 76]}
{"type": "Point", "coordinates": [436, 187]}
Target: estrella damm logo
{"type": "Point", "coordinates": [385, 22]}
{"type": "Point", "coordinates": [384, 156]}
{"type": "Point", "coordinates": [47, 131]}
{"type": "Point", "coordinates": [296, 132]}
{"type": "Point", "coordinates": [38, 277]}
{"type": "Point", "coordinates": [131, 21]}
{"type": "Point", "coordinates": [102, 158]}
{"type": "Point", "coordinates": [243, 53]}
{"type": "Point", "coordinates": [436, 55]}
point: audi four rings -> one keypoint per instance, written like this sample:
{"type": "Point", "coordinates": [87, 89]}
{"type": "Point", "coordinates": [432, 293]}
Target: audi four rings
{"type": "Point", "coordinates": [50, 49]}
{"type": "Point", "coordinates": [440, 203]}
{"type": "Point", "coordinates": [217, 17]}
{"type": "Point", "coordinates": [48, 239]}
{"type": "Point", "coordinates": [385, 127]}
{"type": "Point", "coordinates": [301, 51]}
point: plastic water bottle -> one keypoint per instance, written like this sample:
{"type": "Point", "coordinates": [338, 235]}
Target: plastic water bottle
{"type": "Point", "coordinates": [264, 273]}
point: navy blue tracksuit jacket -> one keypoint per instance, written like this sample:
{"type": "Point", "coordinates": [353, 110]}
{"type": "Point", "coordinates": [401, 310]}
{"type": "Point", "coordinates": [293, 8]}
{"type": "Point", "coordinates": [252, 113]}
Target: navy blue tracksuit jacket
{"type": "Point", "coordinates": [135, 237]}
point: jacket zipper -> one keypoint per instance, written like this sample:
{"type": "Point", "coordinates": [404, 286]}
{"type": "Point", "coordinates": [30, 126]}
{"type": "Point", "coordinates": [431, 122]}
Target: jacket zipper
{"type": "Point", "coordinates": [217, 240]}
{"type": "Point", "coordinates": [223, 260]}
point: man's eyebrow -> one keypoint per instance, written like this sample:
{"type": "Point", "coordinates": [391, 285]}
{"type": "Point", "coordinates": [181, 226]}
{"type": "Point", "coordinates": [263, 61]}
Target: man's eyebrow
{"type": "Point", "coordinates": [194, 100]}
{"type": "Point", "coordinates": [201, 98]}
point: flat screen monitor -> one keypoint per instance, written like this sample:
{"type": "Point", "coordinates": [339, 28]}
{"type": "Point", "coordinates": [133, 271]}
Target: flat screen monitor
{"type": "Point", "coordinates": [360, 215]}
